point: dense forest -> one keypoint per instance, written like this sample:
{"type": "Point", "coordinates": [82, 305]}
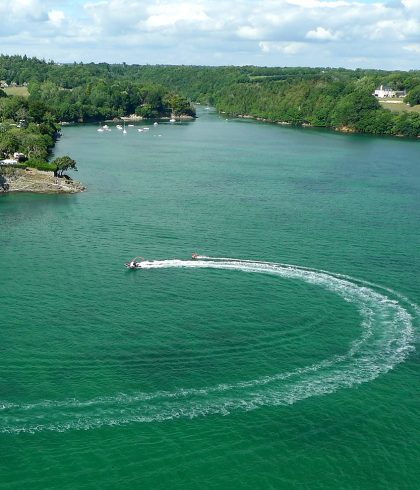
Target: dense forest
{"type": "Point", "coordinates": [323, 97]}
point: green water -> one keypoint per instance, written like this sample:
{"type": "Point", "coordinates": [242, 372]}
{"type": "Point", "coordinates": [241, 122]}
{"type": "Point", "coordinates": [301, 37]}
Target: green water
{"type": "Point", "coordinates": [214, 373]}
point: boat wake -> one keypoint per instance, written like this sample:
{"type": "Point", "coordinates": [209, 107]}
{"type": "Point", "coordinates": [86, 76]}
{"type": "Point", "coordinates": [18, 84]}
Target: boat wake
{"type": "Point", "coordinates": [388, 320]}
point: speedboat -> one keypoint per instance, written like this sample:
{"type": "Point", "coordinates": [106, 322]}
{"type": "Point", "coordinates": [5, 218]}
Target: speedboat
{"type": "Point", "coordinates": [134, 263]}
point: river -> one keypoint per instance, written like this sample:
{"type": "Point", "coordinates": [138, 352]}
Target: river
{"type": "Point", "coordinates": [285, 357]}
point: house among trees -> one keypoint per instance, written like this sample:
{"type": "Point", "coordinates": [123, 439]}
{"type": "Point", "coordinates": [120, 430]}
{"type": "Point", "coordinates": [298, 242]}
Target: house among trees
{"type": "Point", "coordinates": [3, 84]}
{"type": "Point", "coordinates": [383, 92]}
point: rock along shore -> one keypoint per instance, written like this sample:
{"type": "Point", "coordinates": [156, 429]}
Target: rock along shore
{"type": "Point", "coordinates": [32, 180]}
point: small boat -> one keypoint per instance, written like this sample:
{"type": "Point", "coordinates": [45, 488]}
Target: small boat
{"type": "Point", "coordinates": [172, 120]}
{"type": "Point", "coordinates": [100, 130]}
{"type": "Point", "coordinates": [146, 128]}
{"type": "Point", "coordinates": [155, 124]}
{"type": "Point", "coordinates": [131, 125]}
{"type": "Point", "coordinates": [134, 263]}
{"type": "Point", "coordinates": [140, 130]}
{"type": "Point", "coordinates": [106, 127]}
{"type": "Point", "coordinates": [194, 256]}
{"type": "Point", "coordinates": [119, 126]}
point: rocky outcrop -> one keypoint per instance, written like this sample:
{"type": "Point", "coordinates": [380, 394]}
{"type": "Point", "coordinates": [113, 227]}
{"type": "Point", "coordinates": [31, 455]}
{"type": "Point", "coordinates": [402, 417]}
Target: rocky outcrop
{"type": "Point", "coordinates": [346, 129]}
{"type": "Point", "coordinates": [31, 180]}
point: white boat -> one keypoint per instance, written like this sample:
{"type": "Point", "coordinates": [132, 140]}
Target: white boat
{"type": "Point", "coordinates": [105, 126]}
{"type": "Point", "coordinates": [100, 130]}
{"type": "Point", "coordinates": [155, 124]}
{"type": "Point", "coordinates": [140, 130]}
{"type": "Point", "coordinates": [146, 129]}
{"type": "Point", "coordinates": [118, 126]}
{"type": "Point", "coordinates": [131, 125]}
{"type": "Point", "coordinates": [172, 120]}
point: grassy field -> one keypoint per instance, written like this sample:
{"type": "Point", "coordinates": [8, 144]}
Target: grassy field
{"type": "Point", "coordinates": [398, 105]}
{"type": "Point", "coordinates": [22, 91]}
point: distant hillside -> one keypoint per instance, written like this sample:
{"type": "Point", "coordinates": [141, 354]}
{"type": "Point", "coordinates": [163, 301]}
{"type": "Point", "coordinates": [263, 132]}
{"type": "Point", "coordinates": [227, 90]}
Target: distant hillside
{"type": "Point", "coordinates": [324, 97]}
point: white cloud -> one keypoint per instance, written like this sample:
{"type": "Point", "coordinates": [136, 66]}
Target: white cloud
{"type": "Point", "coordinates": [268, 32]}
{"type": "Point", "coordinates": [314, 4]}
{"type": "Point", "coordinates": [321, 34]}
{"type": "Point", "coordinates": [282, 47]}
{"type": "Point", "coordinates": [171, 14]}
{"type": "Point", "coordinates": [248, 32]}
{"type": "Point", "coordinates": [414, 48]}
{"type": "Point", "coordinates": [56, 16]}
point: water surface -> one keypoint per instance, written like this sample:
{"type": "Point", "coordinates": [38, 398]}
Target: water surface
{"type": "Point", "coordinates": [231, 376]}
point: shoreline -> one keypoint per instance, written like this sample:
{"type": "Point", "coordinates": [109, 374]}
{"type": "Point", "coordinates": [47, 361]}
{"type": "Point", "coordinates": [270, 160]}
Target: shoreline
{"type": "Point", "coordinates": [36, 181]}
{"type": "Point", "coordinates": [338, 129]}
{"type": "Point", "coordinates": [134, 118]}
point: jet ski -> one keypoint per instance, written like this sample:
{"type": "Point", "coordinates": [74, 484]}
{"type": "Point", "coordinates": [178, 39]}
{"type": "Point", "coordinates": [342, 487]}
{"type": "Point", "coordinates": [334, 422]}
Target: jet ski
{"type": "Point", "coordinates": [134, 263]}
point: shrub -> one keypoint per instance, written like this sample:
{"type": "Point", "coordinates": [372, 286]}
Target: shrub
{"type": "Point", "coordinates": [40, 164]}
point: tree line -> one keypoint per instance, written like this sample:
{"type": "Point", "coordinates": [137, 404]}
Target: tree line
{"type": "Point", "coordinates": [324, 97]}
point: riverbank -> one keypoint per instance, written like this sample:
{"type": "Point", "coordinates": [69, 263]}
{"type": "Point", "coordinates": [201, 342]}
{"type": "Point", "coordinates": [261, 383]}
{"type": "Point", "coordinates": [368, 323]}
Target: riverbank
{"type": "Point", "coordinates": [32, 180]}
{"type": "Point", "coordinates": [340, 129]}
{"type": "Point", "coordinates": [135, 118]}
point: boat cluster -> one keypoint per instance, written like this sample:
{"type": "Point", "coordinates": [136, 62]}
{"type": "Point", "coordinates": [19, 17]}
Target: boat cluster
{"type": "Point", "coordinates": [103, 128]}
{"type": "Point", "coordinates": [123, 128]}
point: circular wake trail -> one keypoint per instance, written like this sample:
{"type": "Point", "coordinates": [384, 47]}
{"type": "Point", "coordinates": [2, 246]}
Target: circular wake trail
{"type": "Point", "coordinates": [387, 321]}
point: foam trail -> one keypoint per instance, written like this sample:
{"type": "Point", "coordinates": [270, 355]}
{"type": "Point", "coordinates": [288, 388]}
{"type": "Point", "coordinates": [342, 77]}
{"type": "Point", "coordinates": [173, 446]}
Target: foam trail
{"type": "Point", "coordinates": [386, 340]}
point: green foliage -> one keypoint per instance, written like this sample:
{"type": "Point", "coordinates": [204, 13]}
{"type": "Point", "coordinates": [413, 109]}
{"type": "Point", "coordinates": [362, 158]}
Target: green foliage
{"type": "Point", "coordinates": [179, 105]}
{"type": "Point", "coordinates": [8, 144]}
{"type": "Point", "coordinates": [413, 96]}
{"type": "Point", "coordinates": [101, 100]}
{"type": "Point", "coordinates": [40, 164]}
{"type": "Point", "coordinates": [61, 164]}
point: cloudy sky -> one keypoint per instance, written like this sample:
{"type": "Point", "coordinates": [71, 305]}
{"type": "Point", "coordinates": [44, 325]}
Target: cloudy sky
{"type": "Point", "coordinates": [364, 33]}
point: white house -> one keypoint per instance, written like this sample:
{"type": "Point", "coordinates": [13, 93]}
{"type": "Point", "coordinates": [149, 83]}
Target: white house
{"type": "Point", "coordinates": [383, 92]}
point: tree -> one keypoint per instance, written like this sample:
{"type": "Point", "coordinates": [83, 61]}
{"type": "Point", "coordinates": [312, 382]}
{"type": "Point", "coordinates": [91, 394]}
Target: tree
{"type": "Point", "coordinates": [8, 144]}
{"type": "Point", "coordinates": [62, 164]}
{"type": "Point", "coordinates": [413, 97]}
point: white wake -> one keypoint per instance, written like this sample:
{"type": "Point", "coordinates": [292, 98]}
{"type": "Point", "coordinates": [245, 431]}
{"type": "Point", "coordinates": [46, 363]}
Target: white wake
{"type": "Point", "coordinates": [386, 340]}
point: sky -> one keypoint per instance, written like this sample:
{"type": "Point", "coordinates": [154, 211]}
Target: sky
{"type": "Point", "coordinates": [334, 33]}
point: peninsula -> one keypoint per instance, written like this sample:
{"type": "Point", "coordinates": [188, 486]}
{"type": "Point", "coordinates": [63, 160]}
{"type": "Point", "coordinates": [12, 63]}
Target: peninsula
{"type": "Point", "coordinates": [37, 181]}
